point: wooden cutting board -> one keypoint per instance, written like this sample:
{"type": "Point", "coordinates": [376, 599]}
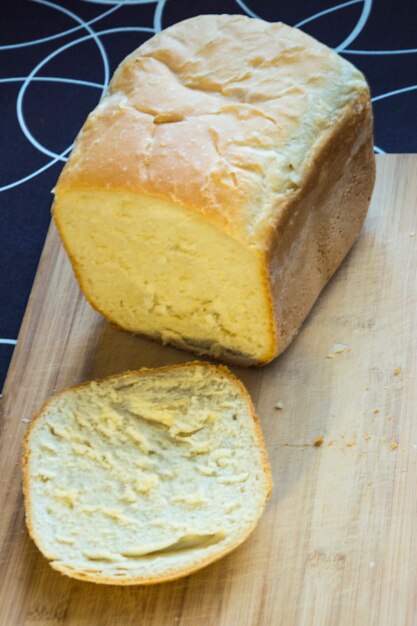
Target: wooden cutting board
{"type": "Point", "coordinates": [337, 545]}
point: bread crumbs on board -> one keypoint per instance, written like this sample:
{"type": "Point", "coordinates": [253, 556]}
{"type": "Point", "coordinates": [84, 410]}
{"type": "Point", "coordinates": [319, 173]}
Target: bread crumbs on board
{"type": "Point", "coordinates": [337, 348]}
{"type": "Point", "coordinates": [345, 442]}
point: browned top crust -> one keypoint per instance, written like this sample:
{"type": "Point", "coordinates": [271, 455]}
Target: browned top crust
{"type": "Point", "coordinates": [222, 114]}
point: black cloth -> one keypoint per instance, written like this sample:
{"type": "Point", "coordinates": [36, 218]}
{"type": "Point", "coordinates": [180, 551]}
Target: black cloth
{"type": "Point", "coordinates": [56, 56]}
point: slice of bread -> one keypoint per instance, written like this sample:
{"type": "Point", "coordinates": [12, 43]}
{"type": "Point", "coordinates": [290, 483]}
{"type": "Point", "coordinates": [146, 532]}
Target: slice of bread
{"type": "Point", "coordinates": [146, 476]}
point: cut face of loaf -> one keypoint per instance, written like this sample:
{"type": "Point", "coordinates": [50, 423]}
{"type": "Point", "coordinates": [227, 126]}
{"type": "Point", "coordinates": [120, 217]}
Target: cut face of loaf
{"type": "Point", "coordinates": [218, 185]}
{"type": "Point", "coordinates": [146, 476]}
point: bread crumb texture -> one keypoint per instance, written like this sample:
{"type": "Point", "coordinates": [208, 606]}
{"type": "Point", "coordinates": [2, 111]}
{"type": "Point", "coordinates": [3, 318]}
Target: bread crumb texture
{"type": "Point", "coordinates": [338, 348]}
{"type": "Point", "coordinates": [178, 181]}
{"type": "Point", "coordinates": [145, 477]}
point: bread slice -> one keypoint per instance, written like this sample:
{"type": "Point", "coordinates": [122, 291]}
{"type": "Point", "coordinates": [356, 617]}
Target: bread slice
{"type": "Point", "coordinates": [218, 185]}
{"type": "Point", "coordinates": [146, 476]}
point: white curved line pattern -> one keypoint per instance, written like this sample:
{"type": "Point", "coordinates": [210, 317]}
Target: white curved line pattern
{"type": "Point", "coordinates": [157, 20]}
{"type": "Point", "coordinates": [128, 2]}
{"type": "Point", "coordinates": [34, 42]}
{"type": "Point", "coordinates": [389, 94]}
{"type": "Point", "coordinates": [247, 10]}
{"type": "Point", "coordinates": [395, 92]}
{"type": "Point", "coordinates": [8, 342]}
{"type": "Point", "coordinates": [380, 52]}
{"type": "Point", "coordinates": [366, 10]}
{"type": "Point", "coordinates": [363, 18]}
{"type": "Point", "coordinates": [88, 28]}
{"type": "Point", "coordinates": [52, 79]}
{"type": "Point", "coordinates": [20, 97]}
{"type": "Point", "coordinates": [27, 80]}
{"type": "Point", "coordinates": [35, 173]}
{"type": "Point", "coordinates": [326, 12]}
{"type": "Point", "coordinates": [126, 29]}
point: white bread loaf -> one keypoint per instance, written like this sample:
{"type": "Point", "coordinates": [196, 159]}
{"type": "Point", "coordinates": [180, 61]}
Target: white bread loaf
{"type": "Point", "coordinates": [146, 476]}
{"type": "Point", "coordinates": [218, 185]}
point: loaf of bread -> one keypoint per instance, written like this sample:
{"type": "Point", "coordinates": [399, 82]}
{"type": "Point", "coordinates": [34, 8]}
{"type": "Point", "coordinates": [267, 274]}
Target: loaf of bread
{"type": "Point", "coordinates": [146, 476]}
{"type": "Point", "coordinates": [218, 185]}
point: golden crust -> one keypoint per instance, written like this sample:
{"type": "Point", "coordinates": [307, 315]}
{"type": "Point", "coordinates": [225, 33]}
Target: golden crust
{"type": "Point", "coordinates": [345, 161]}
{"type": "Point", "coordinates": [228, 140]}
{"type": "Point", "coordinates": [172, 575]}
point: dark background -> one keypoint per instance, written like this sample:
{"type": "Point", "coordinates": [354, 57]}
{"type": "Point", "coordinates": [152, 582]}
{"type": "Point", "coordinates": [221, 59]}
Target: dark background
{"type": "Point", "coordinates": [50, 79]}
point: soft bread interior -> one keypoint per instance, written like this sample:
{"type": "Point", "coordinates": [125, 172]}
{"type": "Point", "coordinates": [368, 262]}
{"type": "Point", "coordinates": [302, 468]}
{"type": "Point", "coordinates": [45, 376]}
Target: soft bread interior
{"type": "Point", "coordinates": [158, 268]}
{"type": "Point", "coordinates": [145, 476]}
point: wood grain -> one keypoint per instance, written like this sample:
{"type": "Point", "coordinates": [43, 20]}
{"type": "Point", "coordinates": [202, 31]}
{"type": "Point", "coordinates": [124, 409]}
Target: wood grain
{"type": "Point", "coordinates": [338, 543]}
